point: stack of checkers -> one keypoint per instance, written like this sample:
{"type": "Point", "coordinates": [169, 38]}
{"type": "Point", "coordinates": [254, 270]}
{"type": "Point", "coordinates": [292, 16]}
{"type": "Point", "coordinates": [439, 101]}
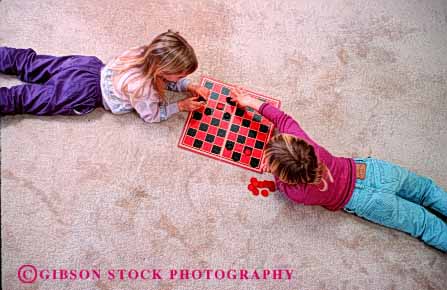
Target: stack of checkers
{"type": "Point", "coordinates": [223, 131]}
{"type": "Point", "coordinates": [255, 185]}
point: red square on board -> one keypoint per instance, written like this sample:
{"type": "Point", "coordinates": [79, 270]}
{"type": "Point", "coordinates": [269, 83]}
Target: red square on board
{"type": "Point", "coordinates": [212, 130]}
{"type": "Point", "coordinates": [207, 146]}
{"type": "Point", "coordinates": [261, 136]}
{"type": "Point", "coordinates": [237, 120]}
{"type": "Point", "coordinates": [217, 88]}
{"type": "Point", "coordinates": [219, 141]}
{"type": "Point", "coordinates": [218, 114]}
{"type": "Point", "coordinates": [243, 131]}
{"type": "Point", "coordinates": [200, 135]}
{"type": "Point", "coordinates": [227, 153]}
{"type": "Point", "coordinates": [194, 124]}
{"type": "Point", "coordinates": [238, 147]}
{"type": "Point", "coordinates": [254, 126]}
{"type": "Point", "coordinates": [245, 159]}
{"type": "Point", "coordinates": [256, 153]}
{"type": "Point", "coordinates": [188, 140]}
{"type": "Point", "coordinates": [224, 125]}
{"type": "Point", "coordinates": [250, 142]}
{"type": "Point", "coordinates": [232, 136]}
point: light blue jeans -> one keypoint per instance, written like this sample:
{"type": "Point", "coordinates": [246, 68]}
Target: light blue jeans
{"type": "Point", "coordinates": [397, 198]}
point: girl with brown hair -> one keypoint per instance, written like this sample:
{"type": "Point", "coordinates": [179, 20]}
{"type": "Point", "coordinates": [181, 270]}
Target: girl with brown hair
{"type": "Point", "coordinates": [376, 190]}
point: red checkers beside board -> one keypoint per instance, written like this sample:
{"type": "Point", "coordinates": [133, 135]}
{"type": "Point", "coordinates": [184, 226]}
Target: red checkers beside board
{"type": "Point", "coordinates": [256, 184]}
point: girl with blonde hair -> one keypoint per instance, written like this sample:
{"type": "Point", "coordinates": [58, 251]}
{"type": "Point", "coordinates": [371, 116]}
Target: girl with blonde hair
{"type": "Point", "coordinates": [76, 85]}
{"type": "Point", "coordinates": [376, 190]}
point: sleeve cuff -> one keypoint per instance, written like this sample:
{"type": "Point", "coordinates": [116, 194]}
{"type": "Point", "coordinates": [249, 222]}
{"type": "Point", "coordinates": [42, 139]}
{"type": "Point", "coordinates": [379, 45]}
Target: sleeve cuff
{"type": "Point", "coordinates": [171, 109]}
{"type": "Point", "coordinates": [182, 84]}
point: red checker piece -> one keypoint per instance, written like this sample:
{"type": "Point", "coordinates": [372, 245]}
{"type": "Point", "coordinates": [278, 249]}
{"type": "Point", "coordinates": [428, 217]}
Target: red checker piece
{"type": "Point", "coordinates": [247, 151]}
{"type": "Point", "coordinates": [253, 189]}
{"type": "Point", "coordinates": [264, 193]}
{"type": "Point", "coordinates": [220, 106]}
{"type": "Point", "coordinates": [254, 181]}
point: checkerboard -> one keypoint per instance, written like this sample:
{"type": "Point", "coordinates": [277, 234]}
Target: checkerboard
{"type": "Point", "coordinates": [223, 131]}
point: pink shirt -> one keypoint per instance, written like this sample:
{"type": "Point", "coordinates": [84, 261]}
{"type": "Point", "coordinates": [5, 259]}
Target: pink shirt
{"type": "Point", "coordinates": [337, 185]}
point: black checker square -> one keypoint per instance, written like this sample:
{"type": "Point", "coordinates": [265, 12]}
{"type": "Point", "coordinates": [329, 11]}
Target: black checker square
{"type": "Point", "coordinates": [214, 96]}
{"type": "Point", "coordinates": [234, 128]}
{"type": "Point", "coordinates": [259, 145]}
{"type": "Point", "coordinates": [225, 91]}
{"type": "Point", "coordinates": [208, 111]}
{"type": "Point", "coordinates": [252, 134]}
{"type": "Point", "coordinates": [230, 102]}
{"type": "Point", "coordinates": [209, 138]}
{"type": "Point", "coordinates": [197, 115]}
{"type": "Point", "coordinates": [246, 123]}
{"type": "Point", "coordinates": [216, 149]}
{"type": "Point", "coordinates": [254, 162]}
{"type": "Point", "coordinates": [209, 85]}
{"type": "Point", "coordinates": [226, 116]}
{"type": "Point", "coordinates": [203, 127]}
{"type": "Point", "coordinates": [215, 122]}
{"type": "Point", "coordinates": [197, 143]}
{"type": "Point", "coordinates": [191, 132]}
{"type": "Point", "coordinates": [229, 145]}
{"type": "Point", "coordinates": [239, 112]}
{"type": "Point", "coordinates": [257, 118]}
{"type": "Point", "coordinates": [236, 156]}
{"type": "Point", "coordinates": [264, 128]}
{"type": "Point", "coordinates": [221, 132]}
{"type": "Point", "coordinates": [241, 139]}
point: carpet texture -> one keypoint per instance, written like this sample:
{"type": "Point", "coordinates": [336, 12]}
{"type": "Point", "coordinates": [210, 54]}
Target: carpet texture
{"type": "Point", "coordinates": [109, 192]}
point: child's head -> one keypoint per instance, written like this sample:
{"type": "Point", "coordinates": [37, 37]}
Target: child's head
{"type": "Point", "coordinates": [168, 57]}
{"type": "Point", "coordinates": [293, 160]}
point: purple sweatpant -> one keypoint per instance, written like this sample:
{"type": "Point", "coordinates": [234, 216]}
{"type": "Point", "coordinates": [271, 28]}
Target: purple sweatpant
{"type": "Point", "coordinates": [67, 85]}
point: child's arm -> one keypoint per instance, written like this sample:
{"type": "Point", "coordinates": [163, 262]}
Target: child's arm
{"type": "Point", "coordinates": [152, 111]}
{"type": "Point", "coordinates": [281, 120]}
{"type": "Point", "coordinates": [186, 85]}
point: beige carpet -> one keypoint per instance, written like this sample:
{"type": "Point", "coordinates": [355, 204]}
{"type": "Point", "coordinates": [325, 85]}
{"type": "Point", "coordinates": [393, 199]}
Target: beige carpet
{"type": "Point", "coordinates": [110, 192]}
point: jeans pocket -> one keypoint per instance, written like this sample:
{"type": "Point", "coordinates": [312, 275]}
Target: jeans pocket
{"type": "Point", "coordinates": [387, 172]}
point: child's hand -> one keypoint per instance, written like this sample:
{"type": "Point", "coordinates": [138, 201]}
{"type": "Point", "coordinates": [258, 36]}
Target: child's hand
{"type": "Point", "coordinates": [189, 104]}
{"type": "Point", "coordinates": [197, 90]}
{"type": "Point", "coordinates": [243, 99]}
{"type": "Point", "coordinates": [265, 166]}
